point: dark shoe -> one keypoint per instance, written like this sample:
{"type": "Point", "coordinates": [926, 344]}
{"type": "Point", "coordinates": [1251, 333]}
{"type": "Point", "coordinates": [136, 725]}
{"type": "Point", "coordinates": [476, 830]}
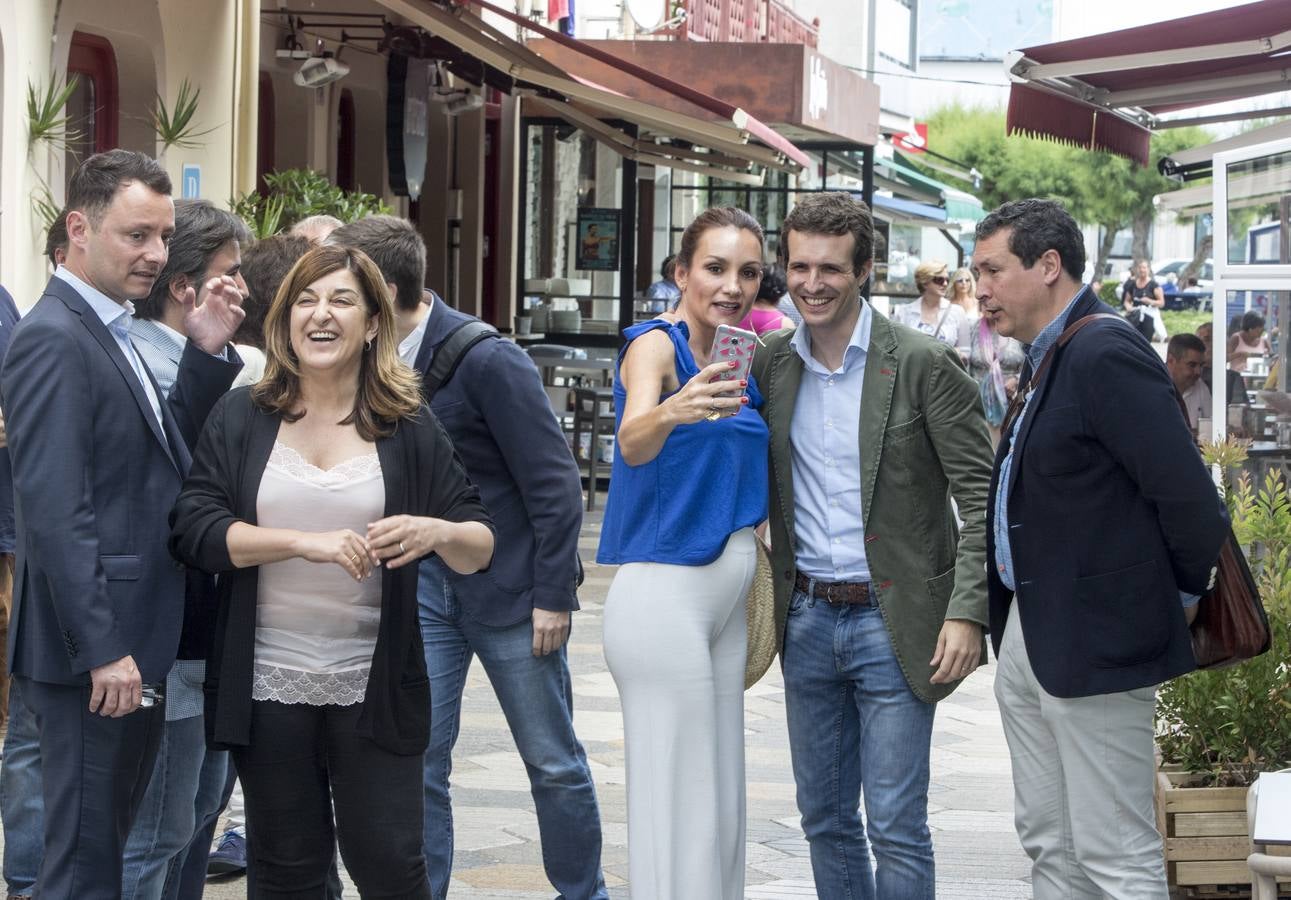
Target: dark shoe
{"type": "Point", "coordinates": [229, 857]}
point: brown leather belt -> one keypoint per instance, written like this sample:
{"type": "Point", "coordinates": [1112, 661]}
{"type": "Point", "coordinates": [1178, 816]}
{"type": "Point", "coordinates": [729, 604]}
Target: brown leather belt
{"type": "Point", "coordinates": [835, 593]}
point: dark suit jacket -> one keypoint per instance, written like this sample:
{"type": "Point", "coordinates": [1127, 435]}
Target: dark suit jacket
{"type": "Point", "coordinates": [422, 477]}
{"type": "Point", "coordinates": [1111, 513]}
{"type": "Point", "coordinates": [498, 415]}
{"type": "Point", "coordinates": [94, 479]}
{"type": "Point", "coordinates": [8, 320]}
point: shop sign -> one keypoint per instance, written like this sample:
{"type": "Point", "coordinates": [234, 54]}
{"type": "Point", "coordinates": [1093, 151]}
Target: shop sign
{"type": "Point", "coordinates": [598, 239]}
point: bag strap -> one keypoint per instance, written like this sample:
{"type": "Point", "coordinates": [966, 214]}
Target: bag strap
{"type": "Point", "coordinates": [1019, 399]}
{"type": "Point", "coordinates": [449, 353]}
{"type": "Point", "coordinates": [942, 321]}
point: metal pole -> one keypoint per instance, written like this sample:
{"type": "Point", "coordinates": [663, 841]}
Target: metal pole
{"type": "Point", "coordinates": [628, 240]}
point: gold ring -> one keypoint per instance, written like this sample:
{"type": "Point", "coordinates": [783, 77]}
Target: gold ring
{"type": "Point", "coordinates": [714, 415]}
{"type": "Point", "coordinates": [354, 558]}
{"type": "Point", "coordinates": [401, 548]}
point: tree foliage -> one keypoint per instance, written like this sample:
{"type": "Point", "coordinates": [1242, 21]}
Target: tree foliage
{"type": "Point", "coordinates": [1096, 187]}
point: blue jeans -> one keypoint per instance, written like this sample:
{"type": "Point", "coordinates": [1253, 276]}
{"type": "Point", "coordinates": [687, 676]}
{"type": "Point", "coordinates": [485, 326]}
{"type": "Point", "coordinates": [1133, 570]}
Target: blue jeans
{"type": "Point", "coordinates": [538, 701]}
{"type": "Point", "coordinates": [181, 795]}
{"type": "Point", "coordinates": [854, 724]}
{"type": "Point", "coordinates": [22, 801]}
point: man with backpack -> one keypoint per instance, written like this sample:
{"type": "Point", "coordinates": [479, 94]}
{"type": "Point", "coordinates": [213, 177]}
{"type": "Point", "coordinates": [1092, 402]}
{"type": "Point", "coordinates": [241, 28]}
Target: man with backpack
{"type": "Point", "coordinates": [515, 616]}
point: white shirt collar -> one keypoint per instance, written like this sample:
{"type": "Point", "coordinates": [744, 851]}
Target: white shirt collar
{"type": "Point", "coordinates": [859, 341]}
{"type": "Point", "coordinates": [107, 309]}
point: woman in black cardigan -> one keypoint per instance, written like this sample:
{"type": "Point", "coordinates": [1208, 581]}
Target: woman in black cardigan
{"type": "Point", "coordinates": [313, 495]}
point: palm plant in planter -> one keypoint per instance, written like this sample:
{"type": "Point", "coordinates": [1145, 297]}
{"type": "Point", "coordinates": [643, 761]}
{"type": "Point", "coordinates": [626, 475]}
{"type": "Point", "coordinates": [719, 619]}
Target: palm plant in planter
{"type": "Point", "coordinates": [1219, 729]}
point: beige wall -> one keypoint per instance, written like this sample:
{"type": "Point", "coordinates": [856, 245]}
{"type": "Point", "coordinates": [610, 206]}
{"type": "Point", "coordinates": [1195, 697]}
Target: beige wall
{"type": "Point", "coordinates": [156, 45]}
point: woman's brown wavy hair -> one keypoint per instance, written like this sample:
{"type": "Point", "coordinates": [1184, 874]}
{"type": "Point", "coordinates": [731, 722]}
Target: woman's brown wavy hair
{"type": "Point", "coordinates": [388, 389]}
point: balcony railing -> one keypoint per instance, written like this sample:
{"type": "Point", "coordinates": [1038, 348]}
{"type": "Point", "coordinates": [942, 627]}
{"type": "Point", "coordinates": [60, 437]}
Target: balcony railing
{"type": "Point", "coordinates": [745, 21]}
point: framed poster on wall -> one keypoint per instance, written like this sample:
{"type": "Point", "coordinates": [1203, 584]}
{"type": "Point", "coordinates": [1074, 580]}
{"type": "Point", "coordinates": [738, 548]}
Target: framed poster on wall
{"type": "Point", "coordinates": [598, 239]}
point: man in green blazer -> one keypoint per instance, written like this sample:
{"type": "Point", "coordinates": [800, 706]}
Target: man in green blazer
{"type": "Point", "coordinates": [880, 597]}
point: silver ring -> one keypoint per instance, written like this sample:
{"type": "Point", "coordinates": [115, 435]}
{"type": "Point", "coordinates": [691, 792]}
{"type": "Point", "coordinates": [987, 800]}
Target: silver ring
{"type": "Point", "coordinates": [401, 548]}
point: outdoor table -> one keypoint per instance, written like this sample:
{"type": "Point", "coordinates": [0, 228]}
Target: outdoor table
{"type": "Point", "coordinates": [1263, 456]}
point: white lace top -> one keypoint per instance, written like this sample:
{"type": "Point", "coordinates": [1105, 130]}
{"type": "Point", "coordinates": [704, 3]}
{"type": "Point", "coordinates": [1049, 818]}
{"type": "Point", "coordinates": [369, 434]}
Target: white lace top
{"type": "Point", "coordinates": [316, 627]}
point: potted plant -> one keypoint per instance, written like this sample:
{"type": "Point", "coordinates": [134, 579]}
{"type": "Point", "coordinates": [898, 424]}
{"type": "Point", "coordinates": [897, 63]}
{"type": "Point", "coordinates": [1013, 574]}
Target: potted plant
{"type": "Point", "coordinates": [1218, 729]}
{"type": "Point", "coordinates": [295, 194]}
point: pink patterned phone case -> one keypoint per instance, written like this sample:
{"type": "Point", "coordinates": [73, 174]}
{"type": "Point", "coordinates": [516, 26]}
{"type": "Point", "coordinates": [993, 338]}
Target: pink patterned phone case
{"type": "Point", "coordinates": [731, 343]}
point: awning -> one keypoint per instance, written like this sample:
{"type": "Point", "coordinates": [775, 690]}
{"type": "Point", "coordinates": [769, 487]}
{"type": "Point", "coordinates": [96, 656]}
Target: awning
{"type": "Point", "coordinates": [1195, 162]}
{"type": "Point", "coordinates": [1107, 91]}
{"type": "Point", "coordinates": [1243, 191]}
{"type": "Point", "coordinates": [895, 209]}
{"type": "Point", "coordinates": [805, 96]}
{"type": "Point", "coordinates": [735, 144]}
{"type": "Point", "coordinates": [959, 206]}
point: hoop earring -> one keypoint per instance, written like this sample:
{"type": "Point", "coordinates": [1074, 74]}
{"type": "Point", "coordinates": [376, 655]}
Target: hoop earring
{"type": "Point", "coordinates": [367, 345]}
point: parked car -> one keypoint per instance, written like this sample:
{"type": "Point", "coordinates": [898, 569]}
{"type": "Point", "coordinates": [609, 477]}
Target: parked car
{"type": "Point", "coordinates": [1205, 277]}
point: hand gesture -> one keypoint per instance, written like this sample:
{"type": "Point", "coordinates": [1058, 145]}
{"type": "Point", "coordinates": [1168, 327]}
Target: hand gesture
{"type": "Point", "coordinates": [211, 325]}
{"type": "Point", "coordinates": [697, 400]}
{"type": "Point", "coordinates": [400, 540]}
{"type": "Point", "coordinates": [345, 548]}
{"type": "Point", "coordinates": [116, 688]}
{"type": "Point", "coordinates": [959, 648]}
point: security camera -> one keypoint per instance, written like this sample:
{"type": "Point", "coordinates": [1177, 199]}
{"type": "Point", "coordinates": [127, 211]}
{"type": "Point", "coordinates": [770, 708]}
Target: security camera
{"type": "Point", "coordinates": [320, 70]}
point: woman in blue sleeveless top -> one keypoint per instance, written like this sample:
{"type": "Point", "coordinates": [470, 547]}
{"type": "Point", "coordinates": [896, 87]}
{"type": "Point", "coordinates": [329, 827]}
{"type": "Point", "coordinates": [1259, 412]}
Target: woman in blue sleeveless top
{"type": "Point", "coordinates": [689, 483]}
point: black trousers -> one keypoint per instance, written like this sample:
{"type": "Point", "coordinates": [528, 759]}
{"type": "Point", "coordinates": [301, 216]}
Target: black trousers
{"type": "Point", "coordinates": [95, 770]}
{"type": "Point", "coordinates": [303, 761]}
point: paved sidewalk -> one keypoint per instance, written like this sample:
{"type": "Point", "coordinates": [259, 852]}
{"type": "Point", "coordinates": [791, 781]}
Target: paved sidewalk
{"type": "Point", "coordinates": [498, 856]}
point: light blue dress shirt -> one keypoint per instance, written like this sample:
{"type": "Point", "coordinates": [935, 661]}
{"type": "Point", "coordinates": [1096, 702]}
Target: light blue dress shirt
{"type": "Point", "coordinates": [117, 317]}
{"type": "Point", "coordinates": [1047, 337]}
{"type": "Point", "coordinates": [826, 459]}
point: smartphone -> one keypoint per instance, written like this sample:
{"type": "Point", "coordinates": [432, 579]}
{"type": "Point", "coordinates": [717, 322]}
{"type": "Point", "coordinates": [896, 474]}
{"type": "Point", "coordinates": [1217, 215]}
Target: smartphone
{"type": "Point", "coordinates": [731, 343]}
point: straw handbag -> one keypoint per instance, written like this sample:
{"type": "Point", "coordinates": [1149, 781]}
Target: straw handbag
{"type": "Point", "coordinates": [760, 610]}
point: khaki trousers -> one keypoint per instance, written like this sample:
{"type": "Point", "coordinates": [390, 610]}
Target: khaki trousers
{"type": "Point", "coordinates": [1083, 772]}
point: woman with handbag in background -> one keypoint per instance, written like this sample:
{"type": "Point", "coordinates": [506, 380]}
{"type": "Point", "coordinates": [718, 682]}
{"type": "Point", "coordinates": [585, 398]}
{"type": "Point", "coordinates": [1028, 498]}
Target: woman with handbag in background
{"type": "Point", "coordinates": [689, 483]}
{"type": "Point", "coordinates": [995, 362]}
{"type": "Point", "coordinates": [313, 495]}
{"type": "Point", "coordinates": [932, 313]}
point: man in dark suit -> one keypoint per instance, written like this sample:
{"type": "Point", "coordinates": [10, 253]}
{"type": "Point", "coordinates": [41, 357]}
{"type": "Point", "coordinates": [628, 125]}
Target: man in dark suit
{"type": "Point", "coordinates": [1104, 530]}
{"type": "Point", "coordinates": [516, 615]}
{"type": "Point", "coordinates": [98, 454]}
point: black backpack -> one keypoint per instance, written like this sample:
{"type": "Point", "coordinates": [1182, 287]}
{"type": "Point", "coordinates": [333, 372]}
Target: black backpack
{"type": "Point", "coordinates": [449, 353]}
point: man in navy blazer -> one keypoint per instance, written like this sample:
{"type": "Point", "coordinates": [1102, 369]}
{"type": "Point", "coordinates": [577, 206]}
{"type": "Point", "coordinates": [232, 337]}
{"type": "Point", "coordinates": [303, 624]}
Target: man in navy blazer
{"type": "Point", "coordinates": [515, 616]}
{"type": "Point", "coordinates": [1104, 530]}
{"type": "Point", "coordinates": [98, 454]}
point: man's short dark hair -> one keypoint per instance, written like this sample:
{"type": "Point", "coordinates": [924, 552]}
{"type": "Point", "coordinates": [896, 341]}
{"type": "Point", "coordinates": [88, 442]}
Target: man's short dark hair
{"type": "Point", "coordinates": [832, 212]}
{"type": "Point", "coordinates": [265, 265]}
{"type": "Point", "coordinates": [56, 237]}
{"type": "Point", "coordinates": [97, 180]}
{"type": "Point", "coordinates": [774, 284]}
{"type": "Point", "coordinates": [201, 231]}
{"type": "Point", "coordinates": [668, 267]}
{"type": "Point", "coordinates": [396, 247]}
{"type": "Point", "coordinates": [1181, 343]}
{"type": "Point", "coordinates": [1038, 226]}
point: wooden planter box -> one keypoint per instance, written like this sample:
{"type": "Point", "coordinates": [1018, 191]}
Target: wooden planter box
{"type": "Point", "coordinates": [1206, 836]}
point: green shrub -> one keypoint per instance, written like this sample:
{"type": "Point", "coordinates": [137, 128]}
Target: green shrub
{"type": "Point", "coordinates": [1231, 724]}
{"type": "Point", "coordinates": [296, 194]}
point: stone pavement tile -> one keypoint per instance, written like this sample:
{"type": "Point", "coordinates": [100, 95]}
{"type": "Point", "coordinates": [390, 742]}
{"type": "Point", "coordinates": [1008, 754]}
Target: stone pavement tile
{"type": "Point", "coordinates": [489, 827]}
{"type": "Point", "coordinates": [779, 890]}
